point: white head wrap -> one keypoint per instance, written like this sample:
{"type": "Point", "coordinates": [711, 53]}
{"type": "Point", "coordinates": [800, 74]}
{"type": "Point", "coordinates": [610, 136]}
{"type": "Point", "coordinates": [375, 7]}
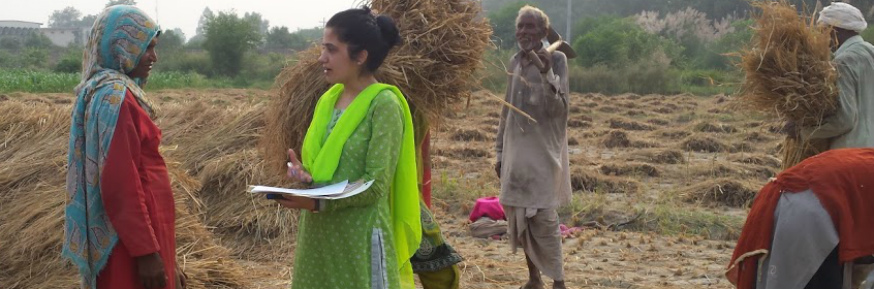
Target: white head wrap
{"type": "Point", "coordinates": [843, 15]}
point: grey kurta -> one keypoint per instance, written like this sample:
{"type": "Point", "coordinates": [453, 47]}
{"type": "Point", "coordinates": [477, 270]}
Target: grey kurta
{"type": "Point", "coordinates": [534, 155]}
{"type": "Point", "coordinates": [853, 125]}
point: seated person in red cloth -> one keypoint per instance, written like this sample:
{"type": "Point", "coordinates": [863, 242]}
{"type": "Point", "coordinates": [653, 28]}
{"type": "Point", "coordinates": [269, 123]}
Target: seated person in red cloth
{"type": "Point", "coordinates": [811, 227]}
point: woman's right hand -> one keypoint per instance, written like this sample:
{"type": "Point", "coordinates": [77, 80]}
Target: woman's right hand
{"type": "Point", "coordinates": [296, 171]}
{"type": "Point", "coordinates": [150, 269]}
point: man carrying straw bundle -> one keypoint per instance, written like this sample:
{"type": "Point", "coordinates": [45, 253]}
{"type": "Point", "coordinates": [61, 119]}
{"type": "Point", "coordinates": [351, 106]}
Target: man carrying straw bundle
{"type": "Point", "coordinates": [811, 227]}
{"type": "Point", "coordinates": [853, 123]}
{"type": "Point", "coordinates": [532, 152]}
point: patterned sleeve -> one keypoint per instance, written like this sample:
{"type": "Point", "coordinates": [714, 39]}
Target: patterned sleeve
{"type": "Point", "coordinates": [382, 152]}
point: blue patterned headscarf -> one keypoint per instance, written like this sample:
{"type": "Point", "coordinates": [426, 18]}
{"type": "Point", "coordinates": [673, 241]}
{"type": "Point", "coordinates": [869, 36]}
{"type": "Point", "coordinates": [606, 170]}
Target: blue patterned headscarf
{"type": "Point", "coordinates": [117, 42]}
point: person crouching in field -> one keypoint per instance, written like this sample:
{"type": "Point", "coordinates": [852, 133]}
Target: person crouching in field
{"type": "Point", "coordinates": [853, 124]}
{"type": "Point", "coordinates": [811, 227]}
{"type": "Point", "coordinates": [533, 154]}
{"type": "Point", "coordinates": [120, 215]}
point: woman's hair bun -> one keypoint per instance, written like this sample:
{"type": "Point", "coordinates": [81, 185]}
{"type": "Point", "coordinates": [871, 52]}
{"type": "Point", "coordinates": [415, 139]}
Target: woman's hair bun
{"type": "Point", "coordinates": [389, 30]}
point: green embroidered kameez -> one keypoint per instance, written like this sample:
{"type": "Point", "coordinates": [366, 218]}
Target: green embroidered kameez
{"type": "Point", "coordinates": [350, 244]}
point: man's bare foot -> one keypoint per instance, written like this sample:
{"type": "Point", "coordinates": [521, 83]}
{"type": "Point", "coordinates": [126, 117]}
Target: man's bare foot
{"type": "Point", "coordinates": [533, 285]}
{"type": "Point", "coordinates": [558, 285]}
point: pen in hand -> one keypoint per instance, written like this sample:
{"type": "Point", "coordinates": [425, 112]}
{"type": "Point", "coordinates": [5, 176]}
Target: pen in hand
{"type": "Point", "coordinates": [296, 170]}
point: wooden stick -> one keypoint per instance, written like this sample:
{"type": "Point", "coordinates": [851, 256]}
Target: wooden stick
{"type": "Point", "coordinates": [535, 59]}
{"type": "Point", "coordinates": [507, 104]}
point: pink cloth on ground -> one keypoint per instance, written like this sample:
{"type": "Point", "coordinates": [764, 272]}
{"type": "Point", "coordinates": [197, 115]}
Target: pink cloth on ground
{"type": "Point", "coordinates": [488, 207]}
{"type": "Point", "coordinates": [566, 231]}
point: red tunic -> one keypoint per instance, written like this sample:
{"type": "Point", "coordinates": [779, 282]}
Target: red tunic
{"type": "Point", "coordinates": [136, 192]}
{"type": "Point", "coordinates": [426, 172]}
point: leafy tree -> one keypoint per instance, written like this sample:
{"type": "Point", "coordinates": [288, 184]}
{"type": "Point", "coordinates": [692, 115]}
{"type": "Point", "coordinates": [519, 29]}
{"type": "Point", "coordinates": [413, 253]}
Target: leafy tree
{"type": "Point", "coordinates": [255, 18]}
{"type": "Point", "coordinates": [724, 52]}
{"type": "Point", "coordinates": [87, 21]}
{"type": "Point", "coordinates": [504, 24]}
{"type": "Point", "coordinates": [71, 62]}
{"type": "Point", "coordinates": [179, 32]}
{"type": "Point", "coordinates": [616, 42]}
{"type": "Point", "coordinates": [121, 2]}
{"type": "Point", "coordinates": [65, 18]}
{"type": "Point", "coordinates": [557, 9]}
{"type": "Point", "coordinates": [311, 35]}
{"type": "Point", "coordinates": [280, 38]}
{"type": "Point", "coordinates": [171, 40]}
{"type": "Point", "coordinates": [33, 58]}
{"type": "Point", "coordinates": [204, 18]}
{"type": "Point", "coordinates": [37, 40]}
{"type": "Point", "coordinates": [228, 37]}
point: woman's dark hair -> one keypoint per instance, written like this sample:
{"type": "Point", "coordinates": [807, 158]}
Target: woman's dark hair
{"type": "Point", "coordinates": [361, 30]}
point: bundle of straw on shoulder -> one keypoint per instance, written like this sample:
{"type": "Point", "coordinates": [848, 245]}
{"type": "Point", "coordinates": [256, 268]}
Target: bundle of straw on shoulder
{"type": "Point", "coordinates": [789, 74]}
{"type": "Point", "coordinates": [442, 47]}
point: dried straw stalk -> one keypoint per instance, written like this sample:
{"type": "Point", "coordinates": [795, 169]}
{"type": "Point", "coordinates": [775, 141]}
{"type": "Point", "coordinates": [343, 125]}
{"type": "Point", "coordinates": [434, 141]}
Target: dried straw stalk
{"type": "Point", "coordinates": [789, 73]}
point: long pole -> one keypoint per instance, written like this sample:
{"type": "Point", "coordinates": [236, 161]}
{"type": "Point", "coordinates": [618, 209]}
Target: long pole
{"type": "Point", "coordinates": [568, 34]}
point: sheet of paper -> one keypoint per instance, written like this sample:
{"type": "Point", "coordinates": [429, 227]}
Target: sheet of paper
{"type": "Point", "coordinates": [336, 191]}
{"type": "Point", "coordinates": [351, 190]}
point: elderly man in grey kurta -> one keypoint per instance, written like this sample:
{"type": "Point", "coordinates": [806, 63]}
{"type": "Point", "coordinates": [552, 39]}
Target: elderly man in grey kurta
{"type": "Point", "coordinates": [853, 124]}
{"type": "Point", "coordinates": [532, 152]}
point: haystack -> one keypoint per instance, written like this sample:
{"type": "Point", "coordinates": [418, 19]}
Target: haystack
{"type": "Point", "coordinates": [720, 192]}
{"type": "Point", "coordinates": [789, 74]}
{"type": "Point", "coordinates": [442, 46]}
{"type": "Point", "coordinates": [217, 146]}
{"type": "Point", "coordinates": [32, 198]}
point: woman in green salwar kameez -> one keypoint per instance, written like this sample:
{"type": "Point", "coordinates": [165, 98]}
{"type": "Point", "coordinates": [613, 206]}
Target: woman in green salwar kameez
{"type": "Point", "coordinates": [361, 130]}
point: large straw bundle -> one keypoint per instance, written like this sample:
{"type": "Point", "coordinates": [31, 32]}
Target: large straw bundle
{"type": "Point", "coordinates": [789, 73]}
{"type": "Point", "coordinates": [32, 199]}
{"type": "Point", "coordinates": [217, 146]}
{"type": "Point", "coordinates": [443, 44]}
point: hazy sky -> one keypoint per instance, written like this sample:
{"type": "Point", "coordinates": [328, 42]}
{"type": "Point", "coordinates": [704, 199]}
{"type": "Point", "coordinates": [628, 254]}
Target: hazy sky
{"type": "Point", "coordinates": [294, 14]}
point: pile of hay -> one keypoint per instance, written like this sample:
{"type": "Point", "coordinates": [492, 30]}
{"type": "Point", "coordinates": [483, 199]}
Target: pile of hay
{"type": "Point", "coordinates": [720, 192]}
{"type": "Point", "coordinates": [624, 124]}
{"type": "Point", "coordinates": [632, 169]}
{"type": "Point", "coordinates": [698, 143]}
{"type": "Point", "coordinates": [217, 145]}
{"type": "Point", "coordinates": [32, 198]}
{"type": "Point", "coordinates": [588, 181]}
{"type": "Point", "coordinates": [789, 73]}
{"type": "Point", "coordinates": [442, 46]}
{"type": "Point", "coordinates": [671, 157]}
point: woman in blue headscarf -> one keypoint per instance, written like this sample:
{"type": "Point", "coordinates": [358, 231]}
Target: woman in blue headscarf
{"type": "Point", "coordinates": [120, 214]}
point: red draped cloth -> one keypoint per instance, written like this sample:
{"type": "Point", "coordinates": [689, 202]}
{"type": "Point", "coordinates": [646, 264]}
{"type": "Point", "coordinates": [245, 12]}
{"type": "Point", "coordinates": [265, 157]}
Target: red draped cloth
{"type": "Point", "coordinates": [842, 180]}
{"type": "Point", "coordinates": [136, 193]}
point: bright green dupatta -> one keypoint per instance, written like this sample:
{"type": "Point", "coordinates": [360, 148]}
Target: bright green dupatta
{"type": "Point", "coordinates": [321, 161]}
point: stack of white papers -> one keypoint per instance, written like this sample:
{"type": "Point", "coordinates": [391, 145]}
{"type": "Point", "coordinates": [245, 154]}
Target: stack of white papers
{"type": "Point", "coordinates": [339, 190]}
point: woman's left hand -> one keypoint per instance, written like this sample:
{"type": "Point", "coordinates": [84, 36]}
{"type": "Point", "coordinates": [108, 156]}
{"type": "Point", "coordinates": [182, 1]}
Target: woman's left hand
{"type": "Point", "coordinates": [297, 202]}
{"type": "Point", "coordinates": [181, 278]}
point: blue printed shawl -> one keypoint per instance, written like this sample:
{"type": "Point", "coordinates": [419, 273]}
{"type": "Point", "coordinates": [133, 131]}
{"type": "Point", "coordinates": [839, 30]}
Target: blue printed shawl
{"type": "Point", "coordinates": [118, 39]}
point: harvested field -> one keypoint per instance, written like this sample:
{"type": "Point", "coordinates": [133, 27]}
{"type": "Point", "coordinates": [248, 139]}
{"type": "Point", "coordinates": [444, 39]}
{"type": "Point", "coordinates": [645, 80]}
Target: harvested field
{"type": "Point", "coordinates": [640, 206]}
